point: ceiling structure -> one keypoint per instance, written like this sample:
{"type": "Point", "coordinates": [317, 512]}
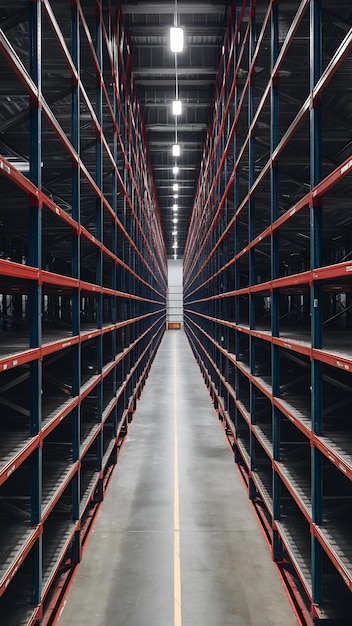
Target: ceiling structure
{"type": "Point", "coordinates": [148, 25]}
{"type": "Point", "coordinates": [204, 23]}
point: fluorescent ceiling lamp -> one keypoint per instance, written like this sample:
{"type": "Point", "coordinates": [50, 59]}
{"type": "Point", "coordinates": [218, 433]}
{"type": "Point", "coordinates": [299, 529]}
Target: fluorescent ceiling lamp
{"type": "Point", "coordinates": [176, 39]}
{"type": "Point", "coordinates": [176, 150]}
{"type": "Point", "coordinates": [175, 170]}
{"type": "Point", "coordinates": [175, 207]}
{"type": "Point", "coordinates": [22, 166]}
{"type": "Point", "coordinates": [175, 220]}
{"type": "Point", "coordinates": [174, 232]}
{"type": "Point", "coordinates": [174, 245]}
{"type": "Point", "coordinates": [175, 196]}
{"type": "Point", "coordinates": [175, 187]}
{"type": "Point", "coordinates": [175, 257]}
{"type": "Point", "coordinates": [177, 107]}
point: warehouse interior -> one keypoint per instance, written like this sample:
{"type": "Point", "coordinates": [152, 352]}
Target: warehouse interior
{"type": "Point", "coordinates": [95, 203]}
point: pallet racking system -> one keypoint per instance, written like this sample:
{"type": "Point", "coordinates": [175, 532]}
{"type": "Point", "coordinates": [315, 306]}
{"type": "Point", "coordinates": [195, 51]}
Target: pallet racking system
{"type": "Point", "coordinates": [83, 278]}
{"type": "Point", "coordinates": [267, 284]}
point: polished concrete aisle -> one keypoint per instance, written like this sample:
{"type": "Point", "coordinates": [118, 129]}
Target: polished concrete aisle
{"type": "Point", "coordinates": [176, 542]}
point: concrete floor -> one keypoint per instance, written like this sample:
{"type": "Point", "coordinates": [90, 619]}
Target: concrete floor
{"type": "Point", "coordinates": [176, 541]}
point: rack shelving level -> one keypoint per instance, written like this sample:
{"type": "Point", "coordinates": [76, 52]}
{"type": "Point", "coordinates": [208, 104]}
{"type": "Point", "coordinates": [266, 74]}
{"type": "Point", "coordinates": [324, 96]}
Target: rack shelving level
{"type": "Point", "coordinates": [83, 278]}
{"type": "Point", "coordinates": [267, 284]}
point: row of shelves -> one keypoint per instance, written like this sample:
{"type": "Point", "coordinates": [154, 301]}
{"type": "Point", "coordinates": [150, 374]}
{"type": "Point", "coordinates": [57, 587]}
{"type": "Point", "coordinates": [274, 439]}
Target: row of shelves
{"type": "Point", "coordinates": [57, 229]}
{"type": "Point", "coordinates": [233, 203]}
{"type": "Point", "coordinates": [97, 130]}
{"type": "Point", "coordinates": [254, 392]}
{"type": "Point", "coordinates": [70, 378]}
{"type": "Point", "coordinates": [67, 317]}
{"type": "Point", "coordinates": [251, 315]}
{"type": "Point", "coordinates": [63, 477]}
{"type": "Point", "coordinates": [279, 462]}
{"type": "Point", "coordinates": [83, 279]}
{"type": "Point", "coordinates": [267, 284]}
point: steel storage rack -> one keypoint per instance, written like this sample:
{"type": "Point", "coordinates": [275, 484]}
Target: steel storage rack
{"type": "Point", "coordinates": [267, 284]}
{"type": "Point", "coordinates": [82, 285]}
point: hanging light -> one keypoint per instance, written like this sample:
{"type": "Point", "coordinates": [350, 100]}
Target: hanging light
{"type": "Point", "coordinates": [176, 45]}
{"type": "Point", "coordinates": [176, 39]}
{"type": "Point", "coordinates": [177, 107]}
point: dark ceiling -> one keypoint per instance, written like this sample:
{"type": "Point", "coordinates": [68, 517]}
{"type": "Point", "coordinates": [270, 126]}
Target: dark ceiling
{"type": "Point", "coordinates": [148, 24]}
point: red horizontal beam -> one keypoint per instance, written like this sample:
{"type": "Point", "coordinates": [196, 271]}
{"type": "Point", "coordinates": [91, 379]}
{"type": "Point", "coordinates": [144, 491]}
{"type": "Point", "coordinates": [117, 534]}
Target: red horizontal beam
{"type": "Point", "coordinates": [56, 346]}
{"type": "Point", "coordinates": [277, 526]}
{"type": "Point", "coordinates": [263, 444]}
{"type": "Point", "coordinates": [334, 558]}
{"type": "Point", "coordinates": [13, 59]}
{"type": "Point", "coordinates": [343, 362]}
{"type": "Point", "coordinates": [63, 412]}
{"type": "Point", "coordinates": [91, 439]}
{"type": "Point", "coordinates": [28, 448]}
{"type": "Point", "coordinates": [58, 493]}
{"type": "Point", "coordinates": [25, 549]}
{"type": "Point", "coordinates": [290, 488]}
{"type": "Point", "coordinates": [64, 548]}
{"type": "Point", "coordinates": [16, 270]}
{"type": "Point", "coordinates": [340, 463]}
{"type": "Point", "coordinates": [15, 360]}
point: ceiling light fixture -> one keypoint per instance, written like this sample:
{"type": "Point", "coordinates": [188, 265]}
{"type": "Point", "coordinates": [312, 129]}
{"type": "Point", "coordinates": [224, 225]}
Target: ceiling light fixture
{"type": "Point", "coordinates": [176, 45]}
{"type": "Point", "coordinates": [21, 166]}
{"type": "Point", "coordinates": [176, 39]}
{"type": "Point", "coordinates": [177, 107]}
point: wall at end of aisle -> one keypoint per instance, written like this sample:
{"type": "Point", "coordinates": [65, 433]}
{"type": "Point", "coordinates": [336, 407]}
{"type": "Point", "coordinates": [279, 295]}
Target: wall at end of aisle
{"type": "Point", "coordinates": [175, 294]}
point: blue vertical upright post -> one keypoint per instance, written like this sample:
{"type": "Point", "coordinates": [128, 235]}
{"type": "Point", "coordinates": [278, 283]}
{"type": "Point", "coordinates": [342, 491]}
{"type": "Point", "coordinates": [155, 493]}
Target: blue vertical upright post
{"type": "Point", "coordinates": [76, 214]}
{"type": "Point", "coordinates": [128, 214]}
{"type": "Point", "coordinates": [123, 280]}
{"type": "Point", "coordinates": [275, 351]}
{"type": "Point", "coordinates": [237, 243]}
{"type": "Point", "coordinates": [35, 298]}
{"type": "Point", "coordinates": [114, 233]}
{"type": "Point", "coordinates": [316, 293]}
{"type": "Point", "coordinates": [226, 303]}
{"type": "Point", "coordinates": [99, 226]}
{"type": "Point", "coordinates": [230, 285]}
{"type": "Point", "coordinates": [251, 235]}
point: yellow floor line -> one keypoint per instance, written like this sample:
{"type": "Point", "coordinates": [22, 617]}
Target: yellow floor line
{"type": "Point", "coordinates": [177, 557]}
